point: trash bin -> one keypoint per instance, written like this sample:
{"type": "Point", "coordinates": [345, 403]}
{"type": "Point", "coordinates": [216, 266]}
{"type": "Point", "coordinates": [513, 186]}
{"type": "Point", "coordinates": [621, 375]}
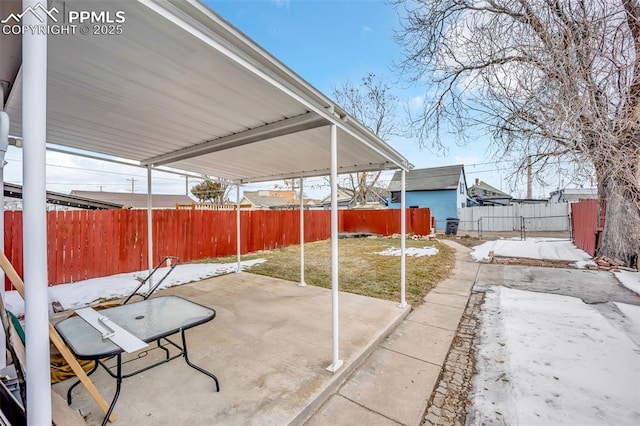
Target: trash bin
{"type": "Point", "coordinates": [452, 226]}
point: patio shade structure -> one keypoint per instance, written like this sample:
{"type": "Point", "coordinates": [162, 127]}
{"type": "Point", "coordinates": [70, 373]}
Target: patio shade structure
{"type": "Point", "coordinates": [179, 87]}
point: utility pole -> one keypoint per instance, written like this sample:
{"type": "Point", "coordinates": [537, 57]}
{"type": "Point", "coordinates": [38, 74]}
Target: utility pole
{"type": "Point", "coordinates": [529, 179]}
{"type": "Point", "coordinates": [133, 184]}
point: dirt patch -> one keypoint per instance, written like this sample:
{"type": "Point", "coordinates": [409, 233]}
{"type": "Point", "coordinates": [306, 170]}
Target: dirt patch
{"type": "Point", "coordinates": [525, 261]}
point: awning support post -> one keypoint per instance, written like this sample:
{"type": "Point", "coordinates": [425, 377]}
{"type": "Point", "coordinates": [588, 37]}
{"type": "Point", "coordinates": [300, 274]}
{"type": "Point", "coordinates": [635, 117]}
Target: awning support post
{"type": "Point", "coordinates": [238, 248]}
{"type": "Point", "coordinates": [34, 131]}
{"type": "Point", "coordinates": [336, 361]}
{"type": "Point", "coordinates": [4, 145]}
{"type": "Point", "coordinates": [302, 282]}
{"type": "Point", "coordinates": [150, 264]}
{"type": "Point", "coordinates": [403, 238]}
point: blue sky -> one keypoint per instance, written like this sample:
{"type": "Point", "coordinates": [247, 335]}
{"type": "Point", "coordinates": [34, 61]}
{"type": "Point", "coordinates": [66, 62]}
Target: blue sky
{"type": "Point", "coordinates": [330, 42]}
{"type": "Point", "coordinates": [326, 42]}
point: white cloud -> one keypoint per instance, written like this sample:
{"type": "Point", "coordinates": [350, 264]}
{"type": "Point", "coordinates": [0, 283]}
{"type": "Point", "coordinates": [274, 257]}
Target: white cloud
{"type": "Point", "coordinates": [417, 102]}
{"type": "Point", "coordinates": [281, 3]}
{"type": "Point", "coordinates": [365, 29]}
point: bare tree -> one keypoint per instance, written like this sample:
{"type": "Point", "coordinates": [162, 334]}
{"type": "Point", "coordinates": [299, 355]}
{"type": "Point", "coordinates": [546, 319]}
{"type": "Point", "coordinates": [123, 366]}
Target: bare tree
{"type": "Point", "coordinates": [373, 104]}
{"type": "Point", "coordinates": [551, 79]}
{"type": "Point", "coordinates": [213, 191]}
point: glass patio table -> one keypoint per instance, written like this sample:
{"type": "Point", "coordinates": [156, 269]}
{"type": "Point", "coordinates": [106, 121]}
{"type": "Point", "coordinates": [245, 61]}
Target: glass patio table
{"type": "Point", "coordinates": [151, 320]}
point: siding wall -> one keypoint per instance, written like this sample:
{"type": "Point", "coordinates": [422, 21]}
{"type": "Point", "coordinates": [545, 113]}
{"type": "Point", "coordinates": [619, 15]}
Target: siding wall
{"type": "Point", "coordinates": [443, 204]}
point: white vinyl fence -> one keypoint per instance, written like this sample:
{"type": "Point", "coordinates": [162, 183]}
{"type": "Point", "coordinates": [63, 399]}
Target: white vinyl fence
{"type": "Point", "coordinates": [519, 217]}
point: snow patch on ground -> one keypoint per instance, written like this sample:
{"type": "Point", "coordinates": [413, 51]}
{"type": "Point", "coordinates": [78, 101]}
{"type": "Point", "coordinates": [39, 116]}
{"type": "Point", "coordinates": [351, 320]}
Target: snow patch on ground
{"type": "Point", "coordinates": [632, 313]}
{"type": "Point", "coordinates": [411, 251]}
{"type": "Point", "coordinates": [84, 293]}
{"type": "Point", "coordinates": [532, 248]}
{"type": "Point", "coordinates": [630, 280]}
{"type": "Point", "coordinates": [550, 359]}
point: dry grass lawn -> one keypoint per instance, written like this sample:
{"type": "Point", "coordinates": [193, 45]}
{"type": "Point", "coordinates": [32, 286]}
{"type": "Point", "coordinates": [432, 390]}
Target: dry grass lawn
{"type": "Point", "coordinates": [361, 270]}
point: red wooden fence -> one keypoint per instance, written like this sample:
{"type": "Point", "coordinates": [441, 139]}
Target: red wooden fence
{"type": "Point", "coordinates": [587, 224]}
{"type": "Point", "coordinates": [89, 244]}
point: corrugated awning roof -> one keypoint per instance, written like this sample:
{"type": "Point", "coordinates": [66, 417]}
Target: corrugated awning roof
{"type": "Point", "coordinates": [183, 88]}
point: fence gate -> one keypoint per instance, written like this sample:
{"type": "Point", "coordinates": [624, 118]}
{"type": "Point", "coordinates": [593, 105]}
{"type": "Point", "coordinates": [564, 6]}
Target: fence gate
{"type": "Point", "coordinates": [521, 218]}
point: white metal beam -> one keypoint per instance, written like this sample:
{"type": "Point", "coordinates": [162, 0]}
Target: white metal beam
{"type": "Point", "coordinates": [302, 282]}
{"type": "Point", "coordinates": [287, 126]}
{"type": "Point", "coordinates": [321, 172]}
{"type": "Point", "coordinates": [336, 361]}
{"type": "Point", "coordinates": [149, 226]}
{"type": "Point", "coordinates": [238, 230]}
{"type": "Point", "coordinates": [34, 130]}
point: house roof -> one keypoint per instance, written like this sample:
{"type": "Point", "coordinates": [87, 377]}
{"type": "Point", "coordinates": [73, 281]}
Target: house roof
{"type": "Point", "coordinates": [476, 190]}
{"type": "Point", "coordinates": [136, 201]}
{"type": "Point", "coordinates": [576, 194]}
{"type": "Point", "coordinates": [181, 87]}
{"type": "Point", "coordinates": [264, 201]}
{"type": "Point", "coordinates": [70, 200]}
{"type": "Point", "coordinates": [430, 179]}
{"type": "Point", "coordinates": [342, 195]}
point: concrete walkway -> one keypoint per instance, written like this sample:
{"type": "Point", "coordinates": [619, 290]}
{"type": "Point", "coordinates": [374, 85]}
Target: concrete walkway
{"type": "Point", "coordinates": [395, 383]}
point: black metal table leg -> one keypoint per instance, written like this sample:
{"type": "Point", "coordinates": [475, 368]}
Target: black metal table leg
{"type": "Point", "coordinates": [192, 365]}
{"type": "Point", "coordinates": [93, 369]}
{"type": "Point", "coordinates": [118, 386]}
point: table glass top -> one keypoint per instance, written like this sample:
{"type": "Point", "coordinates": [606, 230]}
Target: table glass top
{"type": "Point", "coordinates": [148, 320]}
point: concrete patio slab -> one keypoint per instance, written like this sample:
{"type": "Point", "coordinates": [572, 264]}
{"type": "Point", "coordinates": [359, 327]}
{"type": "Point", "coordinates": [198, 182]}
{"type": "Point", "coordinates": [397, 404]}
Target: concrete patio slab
{"type": "Point", "coordinates": [269, 345]}
{"type": "Point", "coordinates": [421, 341]}
{"type": "Point", "coordinates": [393, 385]}
{"type": "Point", "coordinates": [339, 411]}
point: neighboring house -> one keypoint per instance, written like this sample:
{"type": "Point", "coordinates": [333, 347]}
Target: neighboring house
{"type": "Point", "coordinates": [136, 200]}
{"type": "Point", "coordinates": [573, 195]}
{"type": "Point", "coordinates": [56, 200]}
{"type": "Point", "coordinates": [483, 194]}
{"type": "Point", "coordinates": [441, 189]}
{"type": "Point", "coordinates": [376, 199]}
{"type": "Point", "coordinates": [344, 196]}
{"type": "Point", "coordinates": [265, 200]}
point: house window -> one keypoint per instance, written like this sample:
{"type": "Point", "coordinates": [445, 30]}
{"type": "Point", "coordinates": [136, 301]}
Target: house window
{"type": "Point", "coordinates": [461, 188]}
{"type": "Point", "coordinates": [395, 196]}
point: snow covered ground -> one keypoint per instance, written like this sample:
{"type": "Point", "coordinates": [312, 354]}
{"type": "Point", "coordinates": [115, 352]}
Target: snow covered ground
{"type": "Point", "coordinates": [88, 292]}
{"type": "Point", "coordinates": [411, 251]}
{"type": "Point", "coordinates": [549, 359]}
{"type": "Point", "coordinates": [630, 280]}
{"type": "Point", "coordinates": [532, 248]}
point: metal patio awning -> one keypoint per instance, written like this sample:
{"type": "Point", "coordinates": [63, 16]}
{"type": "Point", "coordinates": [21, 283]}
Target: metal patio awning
{"type": "Point", "coordinates": [181, 87]}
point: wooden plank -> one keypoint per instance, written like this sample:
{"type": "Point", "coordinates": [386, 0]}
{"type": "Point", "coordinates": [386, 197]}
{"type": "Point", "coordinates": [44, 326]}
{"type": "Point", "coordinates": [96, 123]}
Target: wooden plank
{"type": "Point", "coordinates": [82, 250]}
{"type": "Point", "coordinates": [55, 338]}
{"type": "Point", "coordinates": [76, 247]}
